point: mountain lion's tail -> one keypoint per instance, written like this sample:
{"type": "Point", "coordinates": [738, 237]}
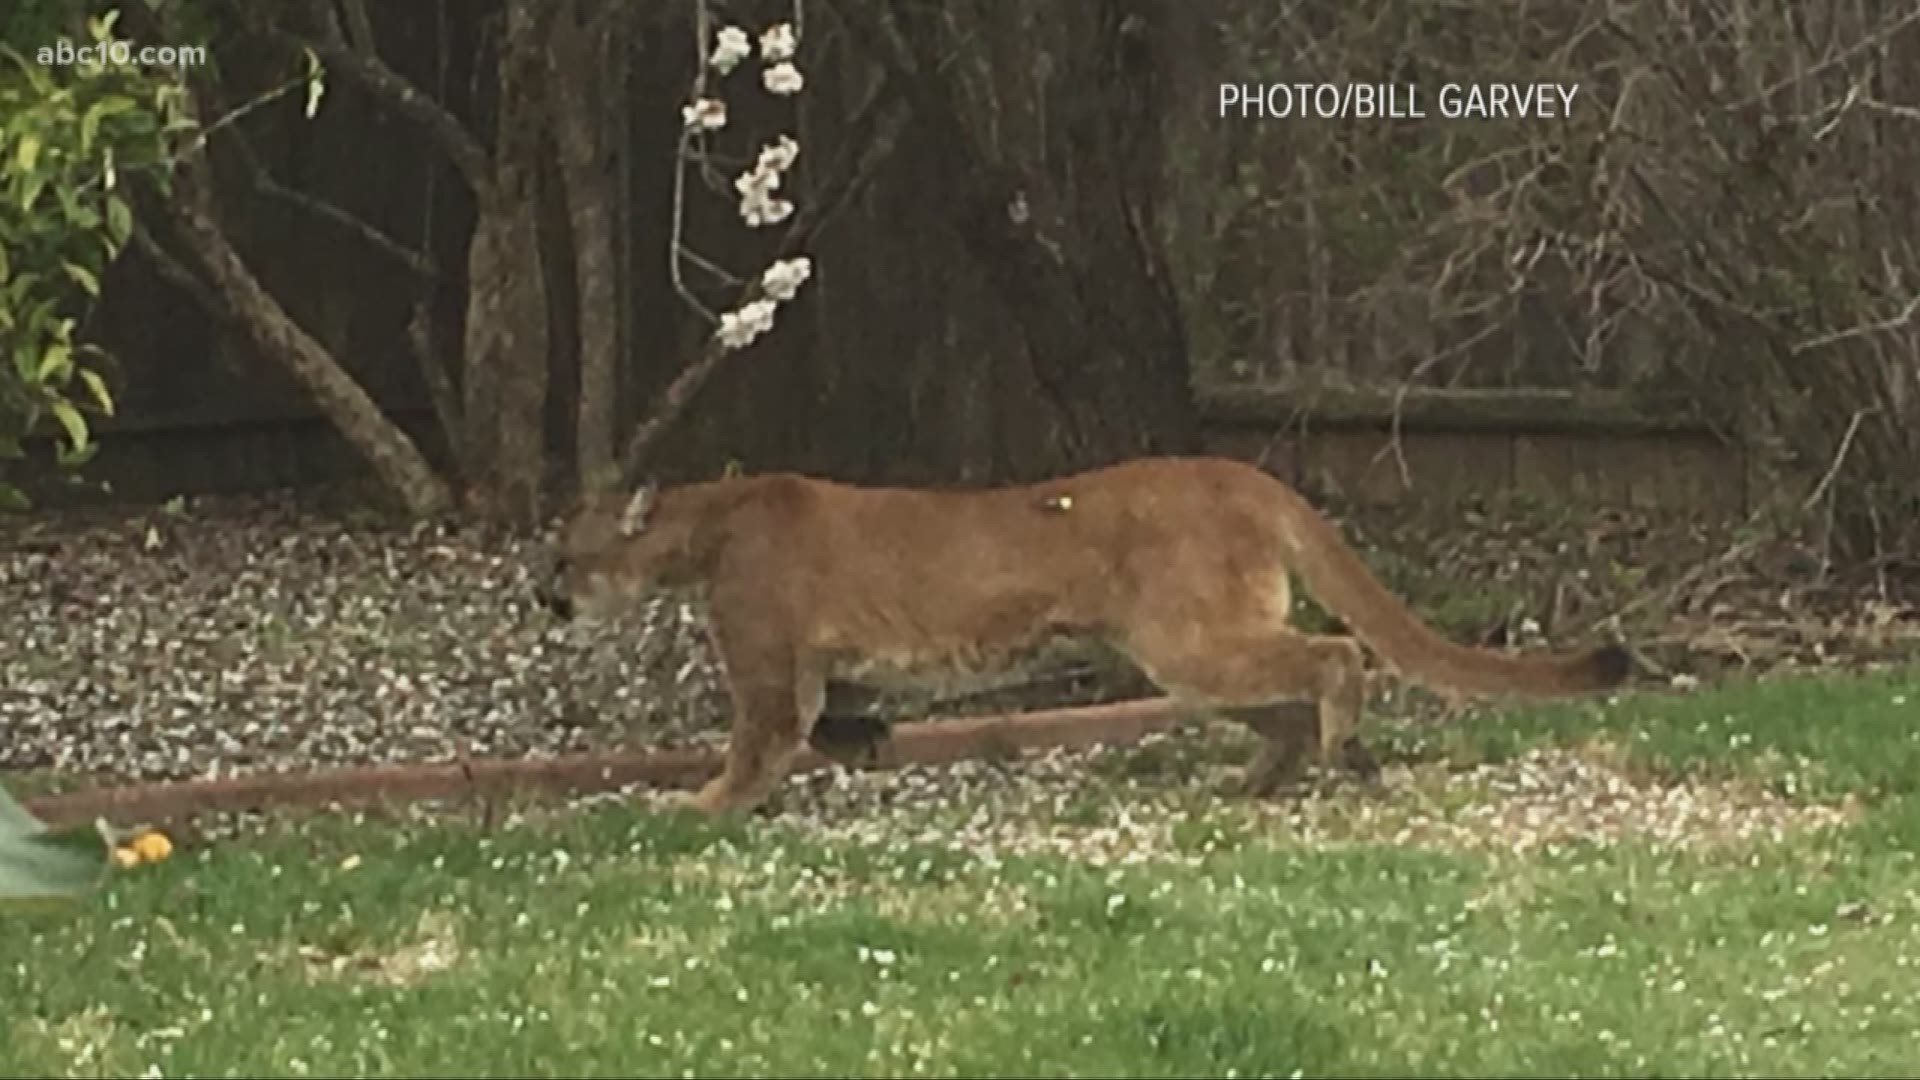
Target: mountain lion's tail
{"type": "Point", "coordinates": [1341, 583]}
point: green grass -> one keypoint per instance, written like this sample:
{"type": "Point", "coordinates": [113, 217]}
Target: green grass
{"type": "Point", "coordinates": [1827, 734]}
{"type": "Point", "coordinates": [615, 941]}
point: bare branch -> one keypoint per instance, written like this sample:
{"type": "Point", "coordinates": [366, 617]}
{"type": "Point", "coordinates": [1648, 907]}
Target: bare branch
{"type": "Point", "coordinates": [676, 247]}
{"type": "Point", "coordinates": [673, 402]}
{"type": "Point", "coordinates": [1883, 326]}
{"type": "Point", "coordinates": [237, 298]}
{"type": "Point", "coordinates": [1904, 112]}
{"type": "Point", "coordinates": [447, 406]}
{"type": "Point", "coordinates": [711, 267]}
{"type": "Point", "coordinates": [852, 172]}
{"type": "Point", "coordinates": [359, 25]}
{"type": "Point", "coordinates": [1874, 40]}
{"type": "Point", "coordinates": [873, 131]}
{"type": "Point", "coordinates": [1839, 458]}
{"type": "Point", "coordinates": [264, 182]}
{"type": "Point", "coordinates": [393, 90]}
{"type": "Point", "coordinates": [176, 273]}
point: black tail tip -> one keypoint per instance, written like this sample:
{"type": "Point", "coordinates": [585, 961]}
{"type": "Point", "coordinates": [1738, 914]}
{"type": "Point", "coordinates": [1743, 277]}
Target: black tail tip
{"type": "Point", "coordinates": [1610, 664]}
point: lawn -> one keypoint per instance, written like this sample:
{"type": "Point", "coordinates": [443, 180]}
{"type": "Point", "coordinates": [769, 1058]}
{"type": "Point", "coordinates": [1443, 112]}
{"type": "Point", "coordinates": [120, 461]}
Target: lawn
{"type": "Point", "coordinates": [1713, 883]}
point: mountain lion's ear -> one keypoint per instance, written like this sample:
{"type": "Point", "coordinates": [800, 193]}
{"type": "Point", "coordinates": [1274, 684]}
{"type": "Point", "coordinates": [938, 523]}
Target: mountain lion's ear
{"type": "Point", "coordinates": [634, 518]}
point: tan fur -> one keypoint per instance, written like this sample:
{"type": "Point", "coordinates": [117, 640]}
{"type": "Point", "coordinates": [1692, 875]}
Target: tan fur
{"type": "Point", "coordinates": [1180, 564]}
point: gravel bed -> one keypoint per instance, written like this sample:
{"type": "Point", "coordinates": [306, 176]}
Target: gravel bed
{"type": "Point", "coordinates": [1065, 802]}
{"type": "Point", "coordinates": [260, 636]}
{"type": "Point", "coordinates": [263, 635]}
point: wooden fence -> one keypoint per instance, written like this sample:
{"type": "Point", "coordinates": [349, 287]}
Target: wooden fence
{"type": "Point", "coordinates": [1586, 447]}
{"type": "Point", "coordinates": [1371, 447]}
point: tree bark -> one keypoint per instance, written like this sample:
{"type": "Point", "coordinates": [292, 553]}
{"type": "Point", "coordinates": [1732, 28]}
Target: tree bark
{"type": "Point", "coordinates": [576, 73]}
{"type": "Point", "coordinates": [503, 445]}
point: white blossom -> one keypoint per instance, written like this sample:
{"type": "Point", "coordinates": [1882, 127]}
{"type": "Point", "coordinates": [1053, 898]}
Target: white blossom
{"type": "Point", "coordinates": [758, 186]}
{"type": "Point", "coordinates": [778, 43]}
{"type": "Point", "coordinates": [739, 328]}
{"type": "Point", "coordinates": [782, 78]}
{"type": "Point", "coordinates": [758, 206]}
{"type": "Point", "coordinates": [778, 157]}
{"type": "Point", "coordinates": [732, 47]}
{"type": "Point", "coordinates": [709, 113]}
{"type": "Point", "coordinates": [764, 211]}
{"type": "Point", "coordinates": [785, 277]}
{"type": "Point", "coordinates": [761, 313]}
{"type": "Point", "coordinates": [756, 182]}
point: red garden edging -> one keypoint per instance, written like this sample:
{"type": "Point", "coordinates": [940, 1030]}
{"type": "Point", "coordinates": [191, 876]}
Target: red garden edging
{"type": "Point", "coordinates": [915, 743]}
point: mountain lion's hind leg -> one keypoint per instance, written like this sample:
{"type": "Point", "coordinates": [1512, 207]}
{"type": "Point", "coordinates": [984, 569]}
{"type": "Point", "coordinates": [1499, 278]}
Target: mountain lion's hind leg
{"type": "Point", "coordinates": [1295, 690]}
{"type": "Point", "coordinates": [1287, 730]}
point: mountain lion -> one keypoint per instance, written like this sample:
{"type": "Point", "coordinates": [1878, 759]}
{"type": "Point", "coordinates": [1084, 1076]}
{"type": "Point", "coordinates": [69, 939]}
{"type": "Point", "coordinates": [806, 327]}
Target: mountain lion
{"type": "Point", "coordinates": [1182, 565]}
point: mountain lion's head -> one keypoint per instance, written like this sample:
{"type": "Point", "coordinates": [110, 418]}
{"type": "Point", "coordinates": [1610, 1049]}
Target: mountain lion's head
{"type": "Point", "coordinates": [612, 552]}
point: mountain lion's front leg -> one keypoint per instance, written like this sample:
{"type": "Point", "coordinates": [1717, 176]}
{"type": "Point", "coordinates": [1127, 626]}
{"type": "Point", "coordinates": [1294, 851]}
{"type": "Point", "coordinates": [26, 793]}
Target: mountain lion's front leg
{"type": "Point", "coordinates": [777, 696]}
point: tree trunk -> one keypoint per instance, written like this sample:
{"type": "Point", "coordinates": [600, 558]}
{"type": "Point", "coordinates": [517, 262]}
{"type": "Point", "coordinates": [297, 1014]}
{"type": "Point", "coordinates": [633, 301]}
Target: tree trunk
{"type": "Point", "coordinates": [238, 299]}
{"type": "Point", "coordinates": [576, 71]}
{"type": "Point", "coordinates": [503, 447]}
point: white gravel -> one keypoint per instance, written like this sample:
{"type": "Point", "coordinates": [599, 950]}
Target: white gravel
{"type": "Point", "coordinates": [254, 637]}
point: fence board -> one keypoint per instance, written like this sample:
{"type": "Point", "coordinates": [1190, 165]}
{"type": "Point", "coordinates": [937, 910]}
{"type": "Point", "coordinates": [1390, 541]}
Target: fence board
{"type": "Point", "coordinates": [1595, 449]}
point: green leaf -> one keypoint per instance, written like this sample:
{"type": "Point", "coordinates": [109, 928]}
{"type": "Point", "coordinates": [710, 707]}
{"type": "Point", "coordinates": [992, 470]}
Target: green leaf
{"type": "Point", "coordinates": [71, 419]}
{"type": "Point", "coordinates": [85, 277]}
{"type": "Point", "coordinates": [69, 458]}
{"type": "Point", "coordinates": [30, 191]}
{"type": "Point", "coordinates": [16, 291]}
{"type": "Point", "coordinates": [111, 105]}
{"type": "Point", "coordinates": [119, 221]}
{"type": "Point", "coordinates": [82, 217]}
{"type": "Point", "coordinates": [13, 500]}
{"type": "Point", "coordinates": [98, 387]}
{"type": "Point", "coordinates": [66, 137]}
{"type": "Point", "coordinates": [316, 82]}
{"type": "Point", "coordinates": [38, 863]}
{"type": "Point", "coordinates": [57, 360]}
{"type": "Point", "coordinates": [26, 153]}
